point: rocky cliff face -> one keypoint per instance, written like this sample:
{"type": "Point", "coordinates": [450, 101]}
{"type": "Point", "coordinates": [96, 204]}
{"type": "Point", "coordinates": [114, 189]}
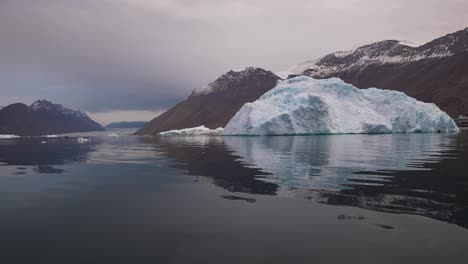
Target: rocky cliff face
{"type": "Point", "coordinates": [44, 118]}
{"type": "Point", "coordinates": [216, 103]}
{"type": "Point", "coordinates": [435, 72]}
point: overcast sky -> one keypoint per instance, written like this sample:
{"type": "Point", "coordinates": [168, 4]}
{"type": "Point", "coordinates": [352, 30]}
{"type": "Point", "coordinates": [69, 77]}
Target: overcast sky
{"type": "Point", "coordinates": [132, 59]}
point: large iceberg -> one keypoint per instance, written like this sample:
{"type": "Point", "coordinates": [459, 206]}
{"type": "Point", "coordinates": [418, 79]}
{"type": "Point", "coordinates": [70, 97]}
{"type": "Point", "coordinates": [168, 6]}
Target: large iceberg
{"type": "Point", "coordinates": [303, 105]}
{"type": "Point", "coordinates": [193, 131]}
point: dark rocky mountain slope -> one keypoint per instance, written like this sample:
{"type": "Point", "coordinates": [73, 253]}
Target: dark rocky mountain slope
{"type": "Point", "coordinates": [44, 118]}
{"type": "Point", "coordinates": [435, 72]}
{"type": "Point", "coordinates": [216, 103]}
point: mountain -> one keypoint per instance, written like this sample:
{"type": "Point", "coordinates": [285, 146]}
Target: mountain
{"type": "Point", "coordinates": [44, 118]}
{"type": "Point", "coordinates": [213, 105]}
{"type": "Point", "coordinates": [136, 124]}
{"type": "Point", "coordinates": [435, 72]}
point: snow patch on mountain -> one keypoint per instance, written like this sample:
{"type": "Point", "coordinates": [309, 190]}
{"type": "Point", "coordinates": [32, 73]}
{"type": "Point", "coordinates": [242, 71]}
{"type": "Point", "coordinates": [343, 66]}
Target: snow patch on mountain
{"type": "Point", "coordinates": [194, 131]}
{"type": "Point", "coordinates": [44, 105]}
{"type": "Point", "coordinates": [228, 79]}
{"type": "Point", "coordinates": [381, 53]}
{"type": "Point", "coordinates": [303, 105]}
{"type": "Point", "coordinates": [409, 43]}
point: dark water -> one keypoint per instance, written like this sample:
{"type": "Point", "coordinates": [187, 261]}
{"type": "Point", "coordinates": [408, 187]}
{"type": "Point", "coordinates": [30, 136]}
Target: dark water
{"type": "Point", "coordinates": [316, 199]}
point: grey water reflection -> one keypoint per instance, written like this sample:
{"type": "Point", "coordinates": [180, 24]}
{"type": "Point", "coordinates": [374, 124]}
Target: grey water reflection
{"type": "Point", "coordinates": [210, 157]}
{"type": "Point", "coordinates": [331, 162]}
{"type": "Point", "coordinates": [423, 174]}
{"type": "Point", "coordinates": [46, 156]}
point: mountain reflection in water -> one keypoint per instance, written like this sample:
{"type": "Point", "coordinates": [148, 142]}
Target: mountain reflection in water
{"type": "Point", "coordinates": [422, 174]}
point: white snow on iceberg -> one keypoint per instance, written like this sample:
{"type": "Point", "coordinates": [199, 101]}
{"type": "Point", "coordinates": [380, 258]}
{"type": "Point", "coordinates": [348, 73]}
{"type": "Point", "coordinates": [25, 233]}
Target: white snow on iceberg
{"type": "Point", "coordinates": [194, 131]}
{"type": "Point", "coordinates": [303, 105]}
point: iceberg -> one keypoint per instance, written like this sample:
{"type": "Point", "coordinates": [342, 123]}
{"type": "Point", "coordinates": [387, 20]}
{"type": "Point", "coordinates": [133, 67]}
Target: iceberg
{"type": "Point", "coordinates": [194, 131]}
{"type": "Point", "coordinates": [303, 105]}
{"type": "Point", "coordinates": [83, 140]}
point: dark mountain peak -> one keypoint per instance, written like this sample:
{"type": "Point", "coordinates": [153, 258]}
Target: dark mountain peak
{"type": "Point", "coordinates": [453, 43]}
{"type": "Point", "coordinates": [41, 104]}
{"type": "Point", "coordinates": [13, 110]}
{"type": "Point", "coordinates": [233, 80]}
{"type": "Point", "coordinates": [47, 106]}
{"type": "Point", "coordinates": [386, 52]}
{"type": "Point", "coordinates": [15, 106]}
{"type": "Point", "coordinates": [434, 72]}
{"type": "Point", "coordinates": [44, 105]}
{"type": "Point", "coordinates": [43, 118]}
{"type": "Point", "coordinates": [216, 103]}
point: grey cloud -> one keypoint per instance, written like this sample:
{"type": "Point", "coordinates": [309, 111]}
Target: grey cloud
{"type": "Point", "coordinates": [105, 55]}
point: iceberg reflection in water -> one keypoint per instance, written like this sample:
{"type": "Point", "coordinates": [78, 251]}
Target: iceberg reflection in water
{"type": "Point", "coordinates": [418, 173]}
{"type": "Point", "coordinates": [325, 198]}
{"type": "Point", "coordinates": [421, 174]}
{"type": "Point", "coordinates": [332, 162]}
{"type": "Point", "coordinates": [399, 173]}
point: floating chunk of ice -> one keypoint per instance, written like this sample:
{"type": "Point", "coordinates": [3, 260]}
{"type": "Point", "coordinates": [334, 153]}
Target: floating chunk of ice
{"type": "Point", "coordinates": [194, 131]}
{"type": "Point", "coordinates": [83, 140]}
{"type": "Point", "coordinates": [303, 105]}
{"type": "Point", "coordinates": [8, 136]}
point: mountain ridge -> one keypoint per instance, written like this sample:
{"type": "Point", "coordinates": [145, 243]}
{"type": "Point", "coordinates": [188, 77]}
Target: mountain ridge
{"type": "Point", "coordinates": [214, 104]}
{"type": "Point", "coordinates": [44, 118]}
{"type": "Point", "coordinates": [435, 72]}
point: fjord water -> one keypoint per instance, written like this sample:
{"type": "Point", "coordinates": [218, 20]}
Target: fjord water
{"type": "Point", "coordinates": [399, 198]}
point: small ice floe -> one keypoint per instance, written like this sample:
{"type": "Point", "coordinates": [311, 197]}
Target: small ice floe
{"type": "Point", "coordinates": [43, 142]}
{"type": "Point", "coordinates": [51, 136]}
{"type": "Point", "coordinates": [8, 136]}
{"type": "Point", "coordinates": [194, 131]}
{"type": "Point", "coordinates": [112, 135]}
{"type": "Point", "coordinates": [83, 140]}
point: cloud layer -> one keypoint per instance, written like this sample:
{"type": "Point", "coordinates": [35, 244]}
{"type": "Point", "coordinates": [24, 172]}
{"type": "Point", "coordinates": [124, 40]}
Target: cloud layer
{"type": "Point", "coordinates": [138, 55]}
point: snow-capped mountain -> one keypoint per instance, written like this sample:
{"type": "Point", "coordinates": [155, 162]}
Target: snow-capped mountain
{"type": "Point", "coordinates": [44, 118]}
{"type": "Point", "coordinates": [213, 105]}
{"type": "Point", "coordinates": [46, 106]}
{"type": "Point", "coordinates": [434, 72]}
{"type": "Point", "coordinates": [381, 53]}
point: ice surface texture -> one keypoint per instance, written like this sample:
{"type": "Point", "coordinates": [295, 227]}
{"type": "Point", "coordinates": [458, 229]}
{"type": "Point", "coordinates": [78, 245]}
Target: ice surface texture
{"type": "Point", "coordinates": [194, 131]}
{"type": "Point", "coordinates": [304, 105]}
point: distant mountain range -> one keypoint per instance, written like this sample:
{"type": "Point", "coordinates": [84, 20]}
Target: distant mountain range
{"type": "Point", "coordinates": [136, 124]}
{"type": "Point", "coordinates": [435, 72]}
{"type": "Point", "coordinates": [44, 118]}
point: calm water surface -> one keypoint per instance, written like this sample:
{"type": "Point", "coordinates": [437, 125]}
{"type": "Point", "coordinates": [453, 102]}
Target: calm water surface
{"type": "Point", "coordinates": [311, 199]}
